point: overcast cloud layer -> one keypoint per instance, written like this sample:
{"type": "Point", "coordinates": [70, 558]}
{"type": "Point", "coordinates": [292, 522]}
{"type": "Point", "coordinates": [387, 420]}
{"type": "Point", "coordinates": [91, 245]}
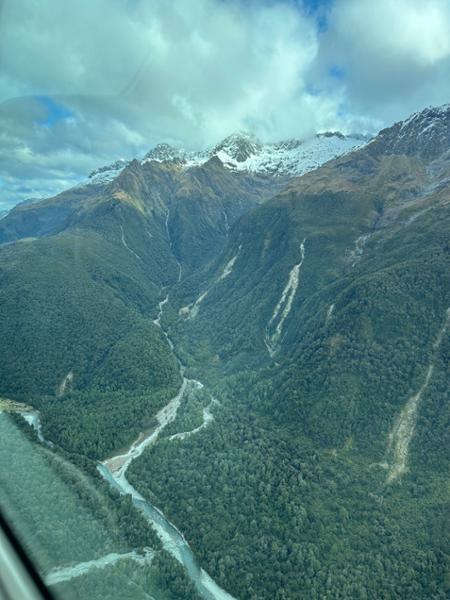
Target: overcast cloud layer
{"type": "Point", "coordinates": [84, 82]}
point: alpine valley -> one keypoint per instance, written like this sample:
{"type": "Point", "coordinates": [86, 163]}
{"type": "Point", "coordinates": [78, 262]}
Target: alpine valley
{"type": "Point", "coordinates": [239, 357]}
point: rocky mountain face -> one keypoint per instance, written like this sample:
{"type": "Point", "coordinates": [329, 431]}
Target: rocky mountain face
{"type": "Point", "coordinates": [424, 134]}
{"type": "Point", "coordinates": [188, 210]}
{"type": "Point", "coordinates": [196, 189]}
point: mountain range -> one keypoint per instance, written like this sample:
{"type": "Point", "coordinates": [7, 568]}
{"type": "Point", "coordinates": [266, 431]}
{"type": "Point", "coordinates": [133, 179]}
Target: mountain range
{"type": "Point", "coordinates": [244, 152]}
{"type": "Point", "coordinates": [307, 285]}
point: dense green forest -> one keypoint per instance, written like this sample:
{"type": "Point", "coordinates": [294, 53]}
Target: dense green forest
{"type": "Point", "coordinates": [73, 305]}
{"type": "Point", "coordinates": [270, 515]}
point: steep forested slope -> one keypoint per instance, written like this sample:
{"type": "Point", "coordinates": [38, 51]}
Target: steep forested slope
{"type": "Point", "coordinates": [81, 275]}
{"type": "Point", "coordinates": [324, 473]}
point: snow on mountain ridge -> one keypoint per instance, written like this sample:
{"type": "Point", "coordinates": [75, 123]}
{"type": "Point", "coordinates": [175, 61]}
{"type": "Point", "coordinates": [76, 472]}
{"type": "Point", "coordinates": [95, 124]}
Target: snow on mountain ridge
{"type": "Point", "coordinates": [240, 146]}
{"type": "Point", "coordinates": [432, 113]}
{"type": "Point", "coordinates": [165, 153]}
{"type": "Point", "coordinates": [292, 157]}
{"type": "Point", "coordinates": [425, 134]}
{"type": "Point", "coordinates": [107, 173]}
{"type": "Point", "coordinates": [244, 152]}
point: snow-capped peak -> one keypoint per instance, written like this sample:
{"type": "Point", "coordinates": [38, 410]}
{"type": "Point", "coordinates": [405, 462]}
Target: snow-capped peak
{"type": "Point", "coordinates": [238, 146]}
{"type": "Point", "coordinates": [242, 151]}
{"type": "Point", "coordinates": [108, 172]}
{"type": "Point", "coordinates": [165, 153]}
{"type": "Point", "coordinates": [433, 115]}
{"type": "Point", "coordinates": [425, 133]}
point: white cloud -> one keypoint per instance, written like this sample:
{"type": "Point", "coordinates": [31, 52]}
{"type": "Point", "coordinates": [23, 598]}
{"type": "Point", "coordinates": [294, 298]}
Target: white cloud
{"type": "Point", "coordinates": [127, 74]}
{"type": "Point", "coordinates": [135, 72]}
{"type": "Point", "coordinates": [411, 30]}
{"type": "Point", "coordinates": [213, 64]}
{"type": "Point", "coordinates": [395, 54]}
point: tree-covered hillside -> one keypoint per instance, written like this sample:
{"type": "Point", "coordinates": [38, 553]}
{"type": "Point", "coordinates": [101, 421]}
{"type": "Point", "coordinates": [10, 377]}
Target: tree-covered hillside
{"type": "Point", "coordinates": [77, 340]}
{"type": "Point", "coordinates": [81, 275]}
{"type": "Point", "coordinates": [316, 314]}
{"type": "Point", "coordinates": [327, 317]}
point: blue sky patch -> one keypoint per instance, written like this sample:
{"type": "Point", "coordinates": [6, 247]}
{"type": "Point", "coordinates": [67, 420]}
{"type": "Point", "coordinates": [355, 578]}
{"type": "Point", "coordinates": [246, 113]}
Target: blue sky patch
{"type": "Point", "coordinates": [55, 111]}
{"type": "Point", "coordinates": [319, 9]}
{"type": "Point", "coordinates": [337, 72]}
